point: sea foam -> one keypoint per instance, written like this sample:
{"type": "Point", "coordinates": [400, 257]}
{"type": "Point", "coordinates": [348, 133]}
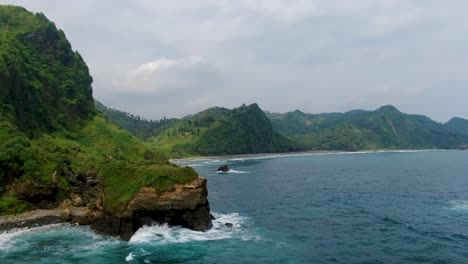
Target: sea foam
{"type": "Point", "coordinates": [8, 238]}
{"type": "Point", "coordinates": [459, 205]}
{"type": "Point", "coordinates": [232, 171]}
{"type": "Point", "coordinates": [164, 234]}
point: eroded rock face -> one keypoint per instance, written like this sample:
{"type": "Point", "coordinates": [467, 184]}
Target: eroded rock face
{"type": "Point", "coordinates": [186, 205]}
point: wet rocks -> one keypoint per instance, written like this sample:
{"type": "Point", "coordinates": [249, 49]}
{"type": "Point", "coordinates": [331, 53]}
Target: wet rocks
{"type": "Point", "coordinates": [224, 168]}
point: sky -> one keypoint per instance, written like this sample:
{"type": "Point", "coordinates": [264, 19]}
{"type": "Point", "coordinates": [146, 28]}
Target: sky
{"type": "Point", "coordinates": [171, 58]}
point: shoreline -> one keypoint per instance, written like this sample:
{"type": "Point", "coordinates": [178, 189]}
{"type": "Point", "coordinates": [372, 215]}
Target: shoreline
{"type": "Point", "coordinates": [298, 153]}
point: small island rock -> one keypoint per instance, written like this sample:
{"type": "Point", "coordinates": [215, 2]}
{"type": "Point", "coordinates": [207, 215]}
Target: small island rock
{"type": "Point", "coordinates": [224, 168]}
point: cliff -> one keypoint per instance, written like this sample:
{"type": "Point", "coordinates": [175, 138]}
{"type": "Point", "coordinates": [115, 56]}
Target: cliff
{"type": "Point", "coordinates": [56, 151]}
{"type": "Point", "coordinates": [185, 205]}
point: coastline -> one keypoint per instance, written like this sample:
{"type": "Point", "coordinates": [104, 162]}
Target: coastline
{"type": "Point", "coordinates": [297, 153]}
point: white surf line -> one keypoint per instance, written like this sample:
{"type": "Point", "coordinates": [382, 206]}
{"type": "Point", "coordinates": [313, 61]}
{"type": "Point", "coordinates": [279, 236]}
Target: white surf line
{"type": "Point", "coordinates": [295, 154]}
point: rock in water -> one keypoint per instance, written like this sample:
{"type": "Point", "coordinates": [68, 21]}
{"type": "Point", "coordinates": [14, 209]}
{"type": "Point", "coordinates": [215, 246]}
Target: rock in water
{"type": "Point", "coordinates": [224, 168]}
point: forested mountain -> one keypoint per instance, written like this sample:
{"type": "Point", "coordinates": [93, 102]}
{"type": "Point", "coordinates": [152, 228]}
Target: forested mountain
{"type": "Point", "coordinates": [458, 124]}
{"type": "Point", "coordinates": [221, 131]}
{"type": "Point", "coordinates": [384, 128]}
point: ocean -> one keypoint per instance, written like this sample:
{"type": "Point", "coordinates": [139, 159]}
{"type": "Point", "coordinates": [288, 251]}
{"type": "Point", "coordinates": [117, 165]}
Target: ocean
{"type": "Point", "coordinates": [385, 207]}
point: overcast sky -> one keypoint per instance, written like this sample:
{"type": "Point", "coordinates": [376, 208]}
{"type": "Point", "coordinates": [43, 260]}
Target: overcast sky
{"type": "Point", "coordinates": [173, 58]}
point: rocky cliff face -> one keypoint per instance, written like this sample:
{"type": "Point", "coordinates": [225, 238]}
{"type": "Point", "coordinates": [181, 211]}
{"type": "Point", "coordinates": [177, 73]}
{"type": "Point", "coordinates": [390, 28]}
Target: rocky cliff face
{"type": "Point", "coordinates": [186, 205]}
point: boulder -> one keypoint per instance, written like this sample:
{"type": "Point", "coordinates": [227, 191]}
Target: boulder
{"type": "Point", "coordinates": [223, 168]}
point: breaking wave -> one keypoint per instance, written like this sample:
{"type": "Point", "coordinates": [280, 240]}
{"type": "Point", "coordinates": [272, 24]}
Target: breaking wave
{"type": "Point", "coordinates": [164, 234]}
{"type": "Point", "coordinates": [232, 171]}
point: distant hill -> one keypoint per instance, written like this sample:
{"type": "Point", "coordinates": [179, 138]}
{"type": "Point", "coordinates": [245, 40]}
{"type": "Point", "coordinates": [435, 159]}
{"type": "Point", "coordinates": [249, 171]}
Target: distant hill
{"type": "Point", "coordinates": [215, 131]}
{"type": "Point", "coordinates": [140, 127]}
{"type": "Point", "coordinates": [384, 128]}
{"type": "Point", "coordinates": [458, 124]}
{"type": "Point", "coordinates": [221, 131]}
{"type": "Point", "coordinates": [247, 129]}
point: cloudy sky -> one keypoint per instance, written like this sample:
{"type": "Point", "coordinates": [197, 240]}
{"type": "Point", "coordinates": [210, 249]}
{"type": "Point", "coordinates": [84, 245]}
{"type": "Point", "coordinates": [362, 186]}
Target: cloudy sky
{"type": "Point", "coordinates": [172, 58]}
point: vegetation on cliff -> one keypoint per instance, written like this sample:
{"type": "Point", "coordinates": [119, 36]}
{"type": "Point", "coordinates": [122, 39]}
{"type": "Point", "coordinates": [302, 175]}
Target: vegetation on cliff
{"type": "Point", "coordinates": [384, 128]}
{"type": "Point", "coordinates": [51, 137]}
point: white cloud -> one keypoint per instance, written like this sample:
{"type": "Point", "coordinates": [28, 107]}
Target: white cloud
{"type": "Point", "coordinates": [173, 57]}
{"type": "Point", "coordinates": [164, 64]}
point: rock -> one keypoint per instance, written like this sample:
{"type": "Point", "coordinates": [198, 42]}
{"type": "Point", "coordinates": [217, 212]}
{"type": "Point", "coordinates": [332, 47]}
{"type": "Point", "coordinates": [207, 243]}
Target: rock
{"type": "Point", "coordinates": [30, 219]}
{"type": "Point", "coordinates": [186, 205]}
{"type": "Point", "coordinates": [82, 177]}
{"type": "Point", "coordinates": [229, 225]}
{"type": "Point", "coordinates": [99, 204]}
{"type": "Point", "coordinates": [224, 168]}
{"type": "Point", "coordinates": [76, 200]}
{"type": "Point", "coordinates": [66, 215]}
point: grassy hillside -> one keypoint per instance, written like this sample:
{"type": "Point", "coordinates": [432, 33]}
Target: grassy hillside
{"type": "Point", "coordinates": [384, 128]}
{"type": "Point", "coordinates": [50, 133]}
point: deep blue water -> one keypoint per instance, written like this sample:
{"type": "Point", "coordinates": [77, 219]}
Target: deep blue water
{"type": "Point", "coordinates": [340, 208]}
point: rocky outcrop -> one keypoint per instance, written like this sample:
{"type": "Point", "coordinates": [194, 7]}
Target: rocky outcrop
{"type": "Point", "coordinates": [185, 205]}
{"type": "Point", "coordinates": [224, 168]}
{"type": "Point", "coordinates": [65, 213]}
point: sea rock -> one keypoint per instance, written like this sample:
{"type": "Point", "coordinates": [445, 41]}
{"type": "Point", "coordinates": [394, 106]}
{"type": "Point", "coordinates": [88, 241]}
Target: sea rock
{"type": "Point", "coordinates": [186, 205]}
{"type": "Point", "coordinates": [229, 225]}
{"type": "Point", "coordinates": [224, 168]}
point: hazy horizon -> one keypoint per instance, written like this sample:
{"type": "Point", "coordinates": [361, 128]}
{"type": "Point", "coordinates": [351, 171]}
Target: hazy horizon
{"type": "Point", "coordinates": [175, 58]}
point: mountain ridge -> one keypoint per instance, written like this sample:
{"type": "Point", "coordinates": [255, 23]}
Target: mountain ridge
{"type": "Point", "coordinates": [383, 128]}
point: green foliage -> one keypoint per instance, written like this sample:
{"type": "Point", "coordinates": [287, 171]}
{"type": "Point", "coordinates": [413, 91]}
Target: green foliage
{"type": "Point", "coordinates": [16, 160]}
{"type": "Point", "coordinates": [12, 205]}
{"type": "Point", "coordinates": [42, 79]}
{"type": "Point", "coordinates": [385, 128]}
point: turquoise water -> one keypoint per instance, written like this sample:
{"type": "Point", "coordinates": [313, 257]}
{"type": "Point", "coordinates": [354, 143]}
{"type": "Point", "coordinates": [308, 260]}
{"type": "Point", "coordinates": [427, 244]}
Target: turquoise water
{"type": "Point", "coordinates": [409, 207]}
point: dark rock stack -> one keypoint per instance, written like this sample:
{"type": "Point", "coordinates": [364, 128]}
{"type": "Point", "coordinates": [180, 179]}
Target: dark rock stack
{"type": "Point", "coordinates": [223, 168]}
